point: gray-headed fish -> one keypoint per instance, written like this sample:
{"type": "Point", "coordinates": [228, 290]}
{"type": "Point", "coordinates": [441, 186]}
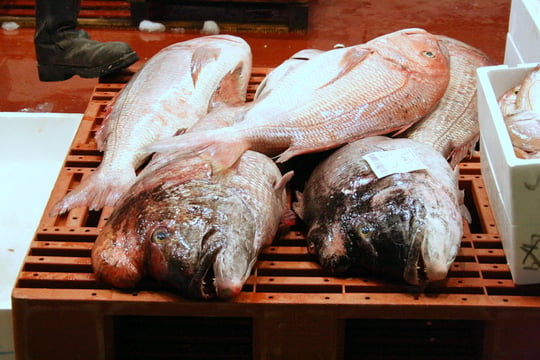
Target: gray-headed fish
{"type": "Point", "coordinates": [199, 231]}
{"type": "Point", "coordinates": [382, 86]}
{"type": "Point", "coordinates": [406, 225]}
{"type": "Point", "coordinates": [171, 92]}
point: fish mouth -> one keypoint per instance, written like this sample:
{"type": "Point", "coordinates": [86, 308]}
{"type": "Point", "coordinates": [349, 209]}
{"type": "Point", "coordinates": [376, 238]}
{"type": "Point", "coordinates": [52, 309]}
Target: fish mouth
{"type": "Point", "coordinates": [414, 271]}
{"type": "Point", "coordinates": [421, 276]}
{"type": "Point", "coordinates": [202, 285]}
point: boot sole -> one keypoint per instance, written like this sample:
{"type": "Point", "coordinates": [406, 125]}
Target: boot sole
{"type": "Point", "coordinates": [51, 72]}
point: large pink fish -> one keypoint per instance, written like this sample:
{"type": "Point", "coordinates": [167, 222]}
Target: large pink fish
{"type": "Point", "coordinates": [382, 86]}
{"type": "Point", "coordinates": [171, 92]}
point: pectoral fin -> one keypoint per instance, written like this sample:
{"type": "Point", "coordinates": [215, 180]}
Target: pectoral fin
{"type": "Point", "coordinates": [351, 59]}
{"type": "Point", "coordinates": [201, 57]}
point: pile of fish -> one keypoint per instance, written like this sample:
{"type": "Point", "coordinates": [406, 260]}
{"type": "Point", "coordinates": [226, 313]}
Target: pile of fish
{"type": "Point", "coordinates": [520, 107]}
{"type": "Point", "coordinates": [212, 195]}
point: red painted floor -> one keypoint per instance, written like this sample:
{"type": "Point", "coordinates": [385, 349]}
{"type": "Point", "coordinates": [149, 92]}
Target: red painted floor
{"type": "Point", "coordinates": [481, 23]}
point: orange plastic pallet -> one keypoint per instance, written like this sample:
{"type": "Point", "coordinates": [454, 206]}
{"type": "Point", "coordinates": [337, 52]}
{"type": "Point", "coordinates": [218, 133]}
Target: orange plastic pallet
{"type": "Point", "coordinates": [289, 308]}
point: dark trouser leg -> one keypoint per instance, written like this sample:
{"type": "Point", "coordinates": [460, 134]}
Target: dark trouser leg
{"type": "Point", "coordinates": [63, 51]}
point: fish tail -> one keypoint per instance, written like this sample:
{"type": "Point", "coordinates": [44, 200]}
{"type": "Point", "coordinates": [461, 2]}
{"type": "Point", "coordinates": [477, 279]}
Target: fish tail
{"type": "Point", "coordinates": [96, 191]}
{"type": "Point", "coordinates": [221, 147]}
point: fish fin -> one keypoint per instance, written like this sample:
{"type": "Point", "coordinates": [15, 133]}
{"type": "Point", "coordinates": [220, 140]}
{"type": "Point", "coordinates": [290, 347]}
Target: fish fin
{"type": "Point", "coordinates": [201, 57]}
{"type": "Point", "coordinates": [288, 218]}
{"type": "Point", "coordinates": [404, 128]}
{"type": "Point", "coordinates": [298, 205]}
{"type": "Point", "coordinates": [231, 89]}
{"type": "Point", "coordinates": [465, 213]}
{"type": "Point", "coordinates": [461, 152]}
{"type": "Point", "coordinates": [296, 150]}
{"type": "Point", "coordinates": [351, 59]}
{"type": "Point", "coordinates": [180, 131]}
{"type": "Point", "coordinates": [95, 191]}
{"type": "Point", "coordinates": [103, 132]}
{"type": "Point", "coordinates": [281, 183]}
{"type": "Point", "coordinates": [221, 147]}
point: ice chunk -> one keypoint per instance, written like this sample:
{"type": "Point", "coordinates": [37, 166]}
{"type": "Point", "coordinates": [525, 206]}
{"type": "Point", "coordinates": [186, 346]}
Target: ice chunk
{"type": "Point", "coordinates": [10, 25]}
{"type": "Point", "coordinates": [210, 28]}
{"type": "Point", "coordinates": [150, 26]}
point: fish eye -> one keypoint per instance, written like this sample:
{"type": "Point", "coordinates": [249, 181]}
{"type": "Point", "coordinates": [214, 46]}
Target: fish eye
{"type": "Point", "coordinates": [160, 235]}
{"type": "Point", "coordinates": [365, 231]}
{"type": "Point", "coordinates": [428, 54]}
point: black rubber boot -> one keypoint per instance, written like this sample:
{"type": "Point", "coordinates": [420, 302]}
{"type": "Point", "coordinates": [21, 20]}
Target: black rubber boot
{"type": "Point", "coordinates": [62, 51]}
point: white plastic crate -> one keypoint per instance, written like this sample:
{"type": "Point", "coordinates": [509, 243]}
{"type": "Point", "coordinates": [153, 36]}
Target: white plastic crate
{"type": "Point", "coordinates": [521, 243]}
{"type": "Point", "coordinates": [512, 184]}
{"type": "Point", "coordinates": [524, 31]}
{"type": "Point", "coordinates": [518, 179]}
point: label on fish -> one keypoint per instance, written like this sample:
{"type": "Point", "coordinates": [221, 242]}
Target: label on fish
{"type": "Point", "coordinates": [384, 163]}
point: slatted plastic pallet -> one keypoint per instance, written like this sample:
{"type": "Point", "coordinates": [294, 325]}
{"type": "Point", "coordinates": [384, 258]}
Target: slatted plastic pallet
{"type": "Point", "coordinates": [289, 308]}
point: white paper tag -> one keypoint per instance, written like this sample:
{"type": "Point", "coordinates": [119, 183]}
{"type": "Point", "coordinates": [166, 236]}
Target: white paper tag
{"type": "Point", "coordinates": [385, 163]}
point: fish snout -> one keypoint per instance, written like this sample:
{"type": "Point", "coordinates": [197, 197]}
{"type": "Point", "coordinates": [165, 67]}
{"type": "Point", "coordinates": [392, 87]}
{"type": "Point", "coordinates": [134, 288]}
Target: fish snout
{"type": "Point", "coordinates": [337, 263]}
{"type": "Point", "coordinates": [329, 246]}
{"type": "Point", "coordinates": [439, 250]}
{"type": "Point", "coordinates": [227, 288]}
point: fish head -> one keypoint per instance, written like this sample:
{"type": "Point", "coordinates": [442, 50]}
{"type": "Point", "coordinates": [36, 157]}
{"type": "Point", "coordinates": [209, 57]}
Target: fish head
{"type": "Point", "coordinates": [416, 49]}
{"type": "Point", "coordinates": [174, 254]}
{"type": "Point", "coordinates": [405, 229]}
{"type": "Point", "coordinates": [206, 250]}
{"type": "Point", "coordinates": [184, 246]}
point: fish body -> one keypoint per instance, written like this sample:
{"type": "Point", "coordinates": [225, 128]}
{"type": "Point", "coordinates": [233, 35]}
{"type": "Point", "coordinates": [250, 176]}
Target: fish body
{"type": "Point", "coordinates": [171, 92]}
{"type": "Point", "coordinates": [452, 127]}
{"type": "Point", "coordinates": [406, 225]}
{"type": "Point", "coordinates": [338, 96]}
{"type": "Point", "coordinates": [201, 232]}
{"type": "Point", "coordinates": [282, 70]}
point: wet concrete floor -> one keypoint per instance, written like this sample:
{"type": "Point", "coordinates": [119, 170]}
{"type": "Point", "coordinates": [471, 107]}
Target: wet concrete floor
{"type": "Point", "coordinates": [481, 23]}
